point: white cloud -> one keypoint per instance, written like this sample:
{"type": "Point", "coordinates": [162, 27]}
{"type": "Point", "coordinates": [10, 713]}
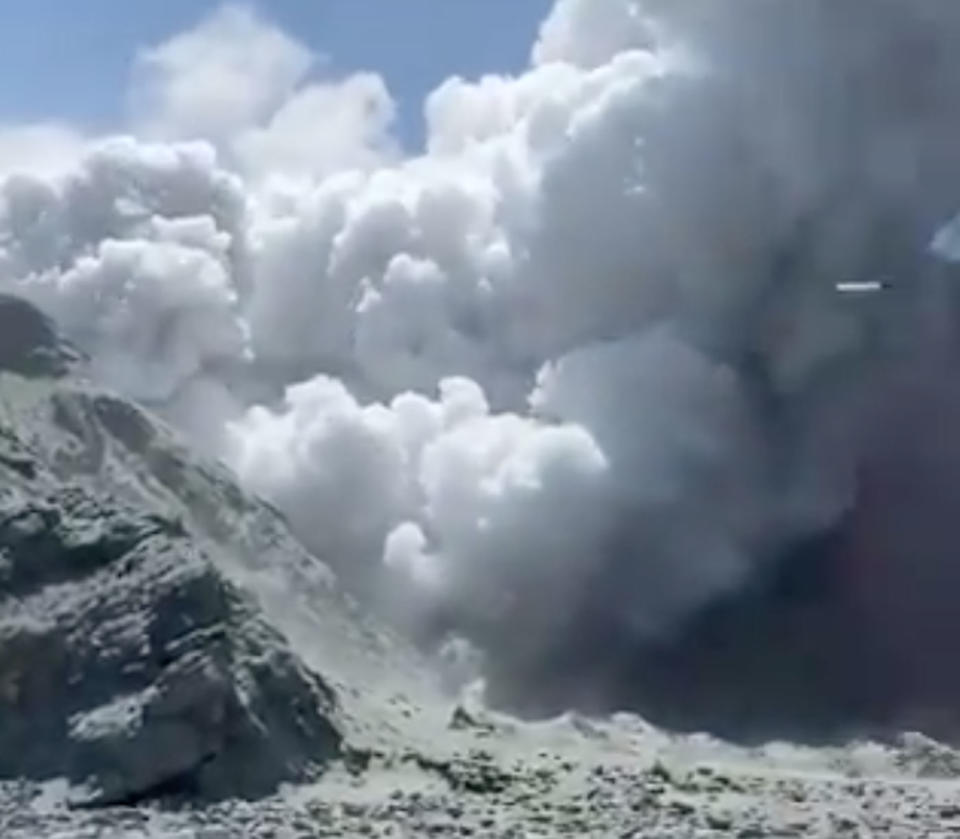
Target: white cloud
{"type": "Point", "coordinates": [231, 71]}
{"type": "Point", "coordinates": [241, 83]}
{"type": "Point", "coordinates": [47, 149]}
{"type": "Point", "coordinates": [133, 252]}
{"type": "Point", "coordinates": [160, 310]}
{"type": "Point", "coordinates": [321, 129]}
{"type": "Point", "coordinates": [336, 468]}
{"type": "Point", "coordinates": [589, 33]}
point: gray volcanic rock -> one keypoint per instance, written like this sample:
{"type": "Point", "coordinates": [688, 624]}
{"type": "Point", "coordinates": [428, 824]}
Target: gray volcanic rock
{"type": "Point", "coordinates": [129, 662]}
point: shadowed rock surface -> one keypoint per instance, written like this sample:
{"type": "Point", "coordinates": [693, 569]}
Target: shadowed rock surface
{"type": "Point", "coordinates": [29, 343]}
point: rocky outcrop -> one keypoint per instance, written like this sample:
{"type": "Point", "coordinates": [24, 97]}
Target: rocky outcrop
{"type": "Point", "coordinates": [130, 663]}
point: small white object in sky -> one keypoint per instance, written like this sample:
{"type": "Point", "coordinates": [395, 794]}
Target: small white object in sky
{"type": "Point", "coordinates": [859, 286]}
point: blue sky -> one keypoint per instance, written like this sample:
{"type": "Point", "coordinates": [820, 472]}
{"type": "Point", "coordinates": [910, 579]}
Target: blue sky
{"type": "Point", "coordinates": [70, 59]}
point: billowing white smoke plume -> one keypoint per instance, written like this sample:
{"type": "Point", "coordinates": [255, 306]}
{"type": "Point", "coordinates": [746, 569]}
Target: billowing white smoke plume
{"type": "Point", "coordinates": [583, 357]}
{"type": "Point", "coordinates": [245, 85]}
{"type": "Point", "coordinates": [138, 254]}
